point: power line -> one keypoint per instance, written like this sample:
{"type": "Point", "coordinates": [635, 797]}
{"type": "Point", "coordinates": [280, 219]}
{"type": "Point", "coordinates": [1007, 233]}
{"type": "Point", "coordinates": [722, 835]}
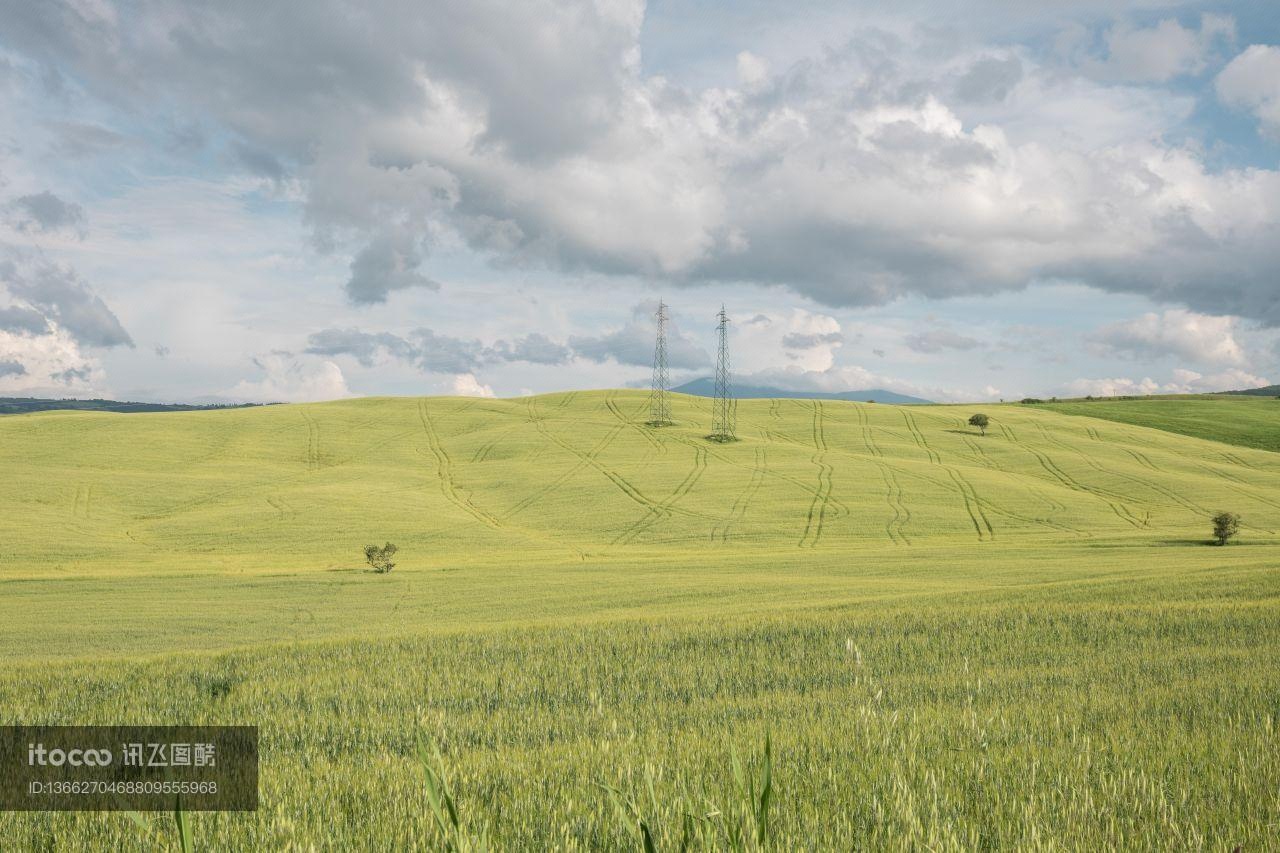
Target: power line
{"type": "Point", "coordinates": [724, 412]}
{"type": "Point", "coordinates": [659, 404]}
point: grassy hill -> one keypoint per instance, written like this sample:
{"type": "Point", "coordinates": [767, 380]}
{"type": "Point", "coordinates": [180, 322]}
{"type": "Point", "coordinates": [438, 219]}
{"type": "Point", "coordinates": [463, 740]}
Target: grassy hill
{"type": "Point", "coordinates": [953, 640]}
{"type": "Point", "coordinates": [1247, 421]}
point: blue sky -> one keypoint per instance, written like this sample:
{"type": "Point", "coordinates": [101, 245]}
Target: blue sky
{"type": "Point", "coordinates": [316, 200]}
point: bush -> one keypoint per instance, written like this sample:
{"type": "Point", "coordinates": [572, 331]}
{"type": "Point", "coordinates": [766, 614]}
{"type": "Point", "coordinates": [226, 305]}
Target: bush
{"type": "Point", "coordinates": [380, 558]}
{"type": "Point", "coordinates": [1030, 400]}
{"type": "Point", "coordinates": [1225, 525]}
{"type": "Point", "coordinates": [981, 422]}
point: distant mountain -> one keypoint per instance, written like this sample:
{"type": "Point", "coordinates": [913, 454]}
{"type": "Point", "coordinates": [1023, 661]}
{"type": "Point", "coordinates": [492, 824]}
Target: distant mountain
{"type": "Point", "coordinates": [706, 387]}
{"type": "Point", "coordinates": [1269, 391]}
{"type": "Point", "coordinates": [22, 405]}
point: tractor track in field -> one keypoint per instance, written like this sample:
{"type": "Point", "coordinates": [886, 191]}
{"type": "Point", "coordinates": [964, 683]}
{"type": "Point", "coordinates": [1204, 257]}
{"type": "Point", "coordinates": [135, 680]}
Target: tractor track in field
{"type": "Point", "coordinates": [591, 459]}
{"type": "Point", "coordinates": [720, 532]}
{"type": "Point", "coordinates": [822, 497]}
{"type": "Point", "coordinates": [662, 509]}
{"type": "Point", "coordinates": [444, 469]}
{"type": "Point", "coordinates": [973, 504]}
{"type": "Point", "coordinates": [893, 486]}
{"type": "Point", "coordinates": [483, 451]}
{"type": "Point", "coordinates": [313, 440]}
{"type": "Point", "coordinates": [1052, 469]}
{"type": "Point", "coordinates": [539, 422]}
{"type": "Point", "coordinates": [918, 437]}
{"type": "Point", "coordinates": [644, 433]}
{"type": "Point", "coordinates": [1158, 488]}
{"type": "Point", "coordinates": [1141, 459]}
{"type": "Point", "coordinates": [283, 510]}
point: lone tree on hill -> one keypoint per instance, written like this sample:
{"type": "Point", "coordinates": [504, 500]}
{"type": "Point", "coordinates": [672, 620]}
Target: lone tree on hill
{"type": "Point", "coordinates": [1225, 525]}
{"type": "Point", "coordinates": [380, 558]}
{"type": "Point", "coordinates": [981, 422]}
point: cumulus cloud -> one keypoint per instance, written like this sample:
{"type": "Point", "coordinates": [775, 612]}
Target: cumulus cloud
{"type": "Point", "coordinates": [1183, 334]}
{"type": "Point", "coordinates": [1164, 51]}
{"type": "Point", "coordinates": [849, 177]}
{"type": "Point", "coordinates": [433, 352]}
{"type": "Point", "coordinates": [288, 379]}
{"type": "Point", "coordinates": [466, 385]}
{"type": "Point", "coordinates": [936, 340]}
{"type": "Point", "coordinates": [1182, 381]}
{"type": "Point", "coordinates": [50, 362]}
{"type": "Point", "coordinates": [990, 78]}
{"type": "Point", "coordinates": [389, 262]}
{"type": "Point", "coordinates": [61, 297]}
{"type": "Point", "coordinates": [633, 342]}
{"type": "Point", "coordinates": [22, 321]}
{"type": "Point", "coordinates": [45, 212]}
{"type": "Point", "coordinates": [1251, 81]}
{"type": "Point", "coordinates": [802, 340]}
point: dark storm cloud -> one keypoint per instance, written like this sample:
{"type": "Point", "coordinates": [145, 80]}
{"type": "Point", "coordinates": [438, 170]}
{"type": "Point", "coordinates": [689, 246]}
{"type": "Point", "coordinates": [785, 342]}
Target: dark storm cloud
{"type": "Point", "coordinates": [535, 348]}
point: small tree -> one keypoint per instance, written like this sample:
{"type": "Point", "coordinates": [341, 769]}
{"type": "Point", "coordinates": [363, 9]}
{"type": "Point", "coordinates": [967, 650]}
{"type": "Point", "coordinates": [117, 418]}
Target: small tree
{"type": "Point", "coordinates": [981, 422]}
{"type": "Point", "coordinates": [1225, 525]}
{"type": "Point", "coordinates": [380, 558]}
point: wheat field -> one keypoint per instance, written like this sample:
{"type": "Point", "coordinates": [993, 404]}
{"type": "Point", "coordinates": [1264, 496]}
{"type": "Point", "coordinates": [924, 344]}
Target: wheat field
{"type": "Point", "coordinates": [951, 640]}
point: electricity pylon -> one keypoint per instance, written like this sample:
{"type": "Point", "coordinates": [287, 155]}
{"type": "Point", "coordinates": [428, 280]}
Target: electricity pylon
{"type": "Point", "coordinates": [724, 413]}
{"type": "Point", "coordinates": [659, 405]}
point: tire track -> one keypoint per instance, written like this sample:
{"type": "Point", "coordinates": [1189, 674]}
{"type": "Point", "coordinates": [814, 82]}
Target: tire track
{"type": "Point", "coordinates": [313, 440]}
{"type": "Point", "coordinates": [662, 509]}
{"type": "Point", "coordinates": [822, 497]}
{"type": "Point", "coordinates": [739, 509]}
{"type": "Point", "coordinates": [973, 505]}
{"type": "Point", "coordinates": [918, 437]}
{"type": "Point", "coordinates": [612, 404]}
{"type": "Point", "coordinates": [444, 469]}
{"type": "Point", "coordinates": [1050, 467]}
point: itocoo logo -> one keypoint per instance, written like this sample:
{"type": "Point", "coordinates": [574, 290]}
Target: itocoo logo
{"type": "Point", "coordinates": [38, 755]}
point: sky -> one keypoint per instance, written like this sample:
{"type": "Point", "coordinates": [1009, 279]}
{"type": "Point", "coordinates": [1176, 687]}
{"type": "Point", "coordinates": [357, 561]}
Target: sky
{"type": "Point", "coordinates": [291, 201]}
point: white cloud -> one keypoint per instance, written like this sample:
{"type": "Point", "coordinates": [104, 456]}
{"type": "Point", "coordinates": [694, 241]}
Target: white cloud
{"type": "Point", "coordinates": [1252, 81]}
{"type": "Point", "coordinates": [752, 70]}
{"type": "Point", "coordinates": [1164, 51]}
{"type": "Point", "coordinates": [1182, 381]}
{"type": "Point", "coordinates": [49, 363]}
{"type": "Point", "coordinates": [287, 379]}
{"type": "Point", "coordinates": [847, 176]}
{"type": "Point", "coordinates": [1176, 332]}
{"type": "Point", "coordinates": [466, 385]}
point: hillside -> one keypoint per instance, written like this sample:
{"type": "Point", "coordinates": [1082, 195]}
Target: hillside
{"type": "Point", "coordinates": [1241, 420]}
{"type": "Point", "coordinates": [706, 387]}
{"type": "Point", "coordinates": [579, 477]}
{"type": "Point", "coordinates": [909, 610]}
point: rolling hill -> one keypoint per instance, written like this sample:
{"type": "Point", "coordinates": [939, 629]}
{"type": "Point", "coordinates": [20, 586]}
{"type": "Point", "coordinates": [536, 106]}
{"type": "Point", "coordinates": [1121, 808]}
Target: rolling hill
{"type": "Point", "coordinates": [579, 477]}
{"type": "Point", "coordinates": [1247, 421]}
{"type": "Point", "coordinates": [906, 610]}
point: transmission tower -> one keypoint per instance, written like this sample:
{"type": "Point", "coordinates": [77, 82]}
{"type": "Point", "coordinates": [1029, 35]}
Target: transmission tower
{"type": "Point", "coordinates": [724, 413]}
{"type": "Point", "coordinates": [659, 405]}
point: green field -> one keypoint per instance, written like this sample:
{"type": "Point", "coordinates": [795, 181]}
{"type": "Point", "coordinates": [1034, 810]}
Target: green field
{"type": "Point", "coordinates": [954, 641]}
{"type": "Point", "coordinates": [1246, 421]}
